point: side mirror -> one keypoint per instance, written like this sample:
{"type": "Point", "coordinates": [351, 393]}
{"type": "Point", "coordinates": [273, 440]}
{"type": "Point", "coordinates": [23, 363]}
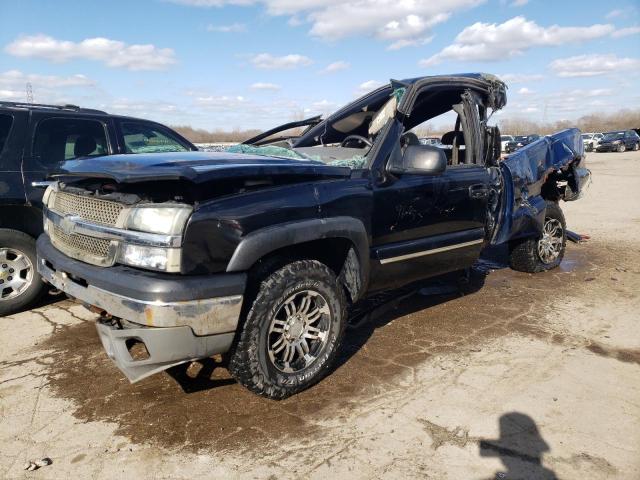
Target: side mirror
{"type": "Point", "coordinates": [420, 160]}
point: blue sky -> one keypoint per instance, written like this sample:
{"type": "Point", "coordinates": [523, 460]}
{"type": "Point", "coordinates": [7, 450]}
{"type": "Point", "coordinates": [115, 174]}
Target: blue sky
{"type": "Point", "coordinates": [257, 63]}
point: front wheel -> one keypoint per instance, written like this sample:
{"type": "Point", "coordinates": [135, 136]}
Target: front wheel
{"type": "Point", "coordinates": [292, 331]}
{"type": "Point", "coordinates": [622, 148]}
{"type": "Point", "coordinates": [539, 254]}
{"type": "Point", "coordinates": [636, 147]}
{"type": "Point", "coordinates": [20, 284]}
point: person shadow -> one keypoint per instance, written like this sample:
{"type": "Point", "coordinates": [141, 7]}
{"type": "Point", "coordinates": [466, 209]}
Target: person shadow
{"type": "Point", "coordinates": [520, 448]}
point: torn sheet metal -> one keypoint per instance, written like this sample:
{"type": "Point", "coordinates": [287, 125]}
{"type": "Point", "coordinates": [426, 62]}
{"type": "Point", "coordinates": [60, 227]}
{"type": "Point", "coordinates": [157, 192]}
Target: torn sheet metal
{"type": "Point", "coordinates": [526, 171]}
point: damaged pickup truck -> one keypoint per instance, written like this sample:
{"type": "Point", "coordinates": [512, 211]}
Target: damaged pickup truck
{"type": "Point", "coordinates": [259, 254]}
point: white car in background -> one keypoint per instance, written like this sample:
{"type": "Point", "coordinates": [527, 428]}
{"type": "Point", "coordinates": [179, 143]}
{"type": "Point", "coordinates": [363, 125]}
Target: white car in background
{"type": "Point", "coordinates": [591, 141]}
{"type": "Point", "coordinates": [504, 139]}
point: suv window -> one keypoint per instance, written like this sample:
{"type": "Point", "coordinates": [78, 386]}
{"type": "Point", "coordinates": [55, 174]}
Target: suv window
{"type": "Point", "coordinates": [5, 127]}
{"type": "Point", "coordinates": [141, 138]}
{"type": "Point", "coordinates": [59, 139]}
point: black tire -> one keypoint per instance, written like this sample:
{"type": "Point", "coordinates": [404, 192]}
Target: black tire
{"type": "Point", "coordinates": [13, 300]}
{"type": "Point", "coordinates": [525, 253]}
{"type": "Point", "coordinates": [636, 147]}
{"type": "Point", "coordinates": [622, 148]}
{"type": "Point", "coordinates": [250, 362]}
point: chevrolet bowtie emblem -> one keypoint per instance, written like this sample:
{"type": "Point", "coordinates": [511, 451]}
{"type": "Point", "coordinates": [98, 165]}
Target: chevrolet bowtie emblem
{"type": "Point", "coordinates": [68, 223]}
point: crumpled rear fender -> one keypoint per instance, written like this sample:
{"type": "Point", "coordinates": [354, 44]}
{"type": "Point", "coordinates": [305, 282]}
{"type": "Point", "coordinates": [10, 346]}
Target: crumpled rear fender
{"type": "Point", "coordinates": [524, 174]}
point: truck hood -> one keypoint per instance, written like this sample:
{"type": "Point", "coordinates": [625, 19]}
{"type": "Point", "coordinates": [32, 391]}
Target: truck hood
{"type": "Point", "coordinates": [197, 167]}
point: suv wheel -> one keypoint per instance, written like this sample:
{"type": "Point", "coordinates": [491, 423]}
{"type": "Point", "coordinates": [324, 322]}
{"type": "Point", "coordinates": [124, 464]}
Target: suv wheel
{"type": "Point", "coordinates": [20, 283]}
{"type": "Point", "coordinates": [622, 148]}
{"type": "Point", "coordinates": [539, 254]}
{"type": "Point", "coordinates": [292, 331]}
{"type": "Point", "coordinates": [636, 147]}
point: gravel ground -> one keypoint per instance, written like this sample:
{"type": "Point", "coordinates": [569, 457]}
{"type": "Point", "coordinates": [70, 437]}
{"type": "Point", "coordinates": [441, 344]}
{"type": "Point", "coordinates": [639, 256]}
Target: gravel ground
{"type": "Point", "coordinates": [529, 376]}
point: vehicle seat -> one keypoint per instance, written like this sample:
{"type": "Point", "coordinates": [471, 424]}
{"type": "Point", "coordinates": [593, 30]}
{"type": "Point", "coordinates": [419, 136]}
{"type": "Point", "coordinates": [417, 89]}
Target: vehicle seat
{"type": "Point", "coordinates": [448, 141]}
{"type": "Point", "coordinates": [85, 146]}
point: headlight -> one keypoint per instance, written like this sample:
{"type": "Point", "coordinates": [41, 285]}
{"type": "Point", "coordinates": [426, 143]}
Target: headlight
{"type": "Point", "coordinates": [169, 220]}
{"type": "Point", "coordinates": [154, 258]}
{"type": "Point", "coordinates": [157, 219]}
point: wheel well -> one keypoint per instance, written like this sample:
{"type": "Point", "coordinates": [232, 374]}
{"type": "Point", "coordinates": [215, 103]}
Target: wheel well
{"type": "Point", "coordinates": [335, 253]}
{"type": "Point", "coordinates": [22, 218]}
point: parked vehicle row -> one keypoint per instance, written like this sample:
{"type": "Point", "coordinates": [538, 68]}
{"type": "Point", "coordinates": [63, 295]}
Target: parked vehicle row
{"type": "Point", "coordinates": [616, 141]}
{"type": "Point", "coordinates": [258, 255]}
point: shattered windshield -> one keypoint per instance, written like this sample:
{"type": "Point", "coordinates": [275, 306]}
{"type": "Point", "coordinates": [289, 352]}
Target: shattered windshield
{"type": "Point", "coordinates": [353, 136]}
{"type": "Point", "coordinates": [613, 135]}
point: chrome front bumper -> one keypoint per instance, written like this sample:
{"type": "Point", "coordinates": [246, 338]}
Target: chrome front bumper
{"type": "Point", "coordinates": [204, 317]}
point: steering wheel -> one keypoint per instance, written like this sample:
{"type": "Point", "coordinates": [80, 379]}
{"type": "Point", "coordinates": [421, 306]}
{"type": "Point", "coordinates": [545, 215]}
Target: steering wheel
{"type": "Point", "coordinates": [359, 138]}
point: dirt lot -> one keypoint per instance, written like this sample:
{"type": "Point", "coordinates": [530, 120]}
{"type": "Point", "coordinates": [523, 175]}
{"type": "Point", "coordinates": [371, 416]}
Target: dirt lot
{"type": "Point", "coordinates": [527, 377]}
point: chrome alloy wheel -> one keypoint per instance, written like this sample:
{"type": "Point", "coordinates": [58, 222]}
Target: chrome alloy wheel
{"type": "Point", "coordinates": [299, 331]}
{"type": "Point", "coordinates": [550, 245]}
{"type": "Point", "coordinates": [16, 273]}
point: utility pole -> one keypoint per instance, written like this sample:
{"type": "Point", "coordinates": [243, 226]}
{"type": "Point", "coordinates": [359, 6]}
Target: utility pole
{"type": "Point", "coordinates": [29, 93]}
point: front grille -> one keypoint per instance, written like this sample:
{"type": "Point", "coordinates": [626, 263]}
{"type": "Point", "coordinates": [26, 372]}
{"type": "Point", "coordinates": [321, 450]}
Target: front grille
{"type": "Point", "coordinates": [78, 246]}
{"type": "Point", "coordinates": [88, 208]}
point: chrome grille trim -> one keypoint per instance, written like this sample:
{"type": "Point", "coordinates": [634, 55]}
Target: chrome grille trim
{"type": "Point", "coordinates": [95, 210]}
{"type": "Point", "coordinates": [77, 225]}
{"type": "Point", "coordinates": [94, 246]}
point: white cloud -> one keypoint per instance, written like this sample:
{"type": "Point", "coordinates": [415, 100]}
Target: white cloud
{"type": "Point", "coordinates": [615, 13]}
{"type": "Point", "coordinates": [219, 102]}
{"type": "Point", "coordinates": [525, 91]}
{"type": "Point", "coordinates": [112, 53]}
{"type": "Point", "coordinates": [46, 88]}
{"type": "Point", "coordinates": [265, 86]}
{"type": "Point", "coordinates": [404, 42]}
{"type": "Point", "coordinates": [518, 3]}
{"type": "Point", "coordinates": [368, 86]}
{"type": "Point", "coordinates": [492, 42]}
{"type": "Point", "coordinates": [396, 22]}
{"type": "Point", "coordinates": [323, 107]}
{"type": "Point", "coordinates": [336, 67]}
{"type": "Point", "coordinates": [285, 62]}
{"type": "Point", "coordinates": [512, 78]}
{"type": "Point", "coordinates": [592, 65]}
{"type": "Point", "coordinates": [232, 28]}
{"type": "Point", "coordinates": [625, 32]}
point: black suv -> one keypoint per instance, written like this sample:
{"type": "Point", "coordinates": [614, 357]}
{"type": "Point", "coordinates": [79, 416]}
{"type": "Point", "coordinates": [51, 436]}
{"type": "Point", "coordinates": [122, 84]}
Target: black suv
{"type": "Point", "coordinates": [619, 141]}
{"type": "Point", "coordinates": [34, 141]}
{"type": "Point", "coordinates": [257, 252]}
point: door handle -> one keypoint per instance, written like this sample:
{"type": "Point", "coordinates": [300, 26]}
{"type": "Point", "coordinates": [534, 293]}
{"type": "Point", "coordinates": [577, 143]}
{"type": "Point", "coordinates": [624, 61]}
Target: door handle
{"type": "Point", "coordinates": [478, 191]}
{"type": "Point", "coordinates": [42, 184]}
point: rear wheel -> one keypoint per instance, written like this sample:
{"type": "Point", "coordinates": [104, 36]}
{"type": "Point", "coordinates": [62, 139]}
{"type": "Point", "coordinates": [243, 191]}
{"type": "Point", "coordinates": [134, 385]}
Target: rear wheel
{"type": "Point", "coordinates": [292, 330]}
{"type": "Point", "coordinates": [20, 283]}
{"type": "Point", "coordinates": [539, 254]}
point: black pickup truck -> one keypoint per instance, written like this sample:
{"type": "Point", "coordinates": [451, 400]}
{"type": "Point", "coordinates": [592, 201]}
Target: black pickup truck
{"type": "Point", "coordinates": [258, 254]}
{"type": "Point", "coordinates": [34, 141]}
